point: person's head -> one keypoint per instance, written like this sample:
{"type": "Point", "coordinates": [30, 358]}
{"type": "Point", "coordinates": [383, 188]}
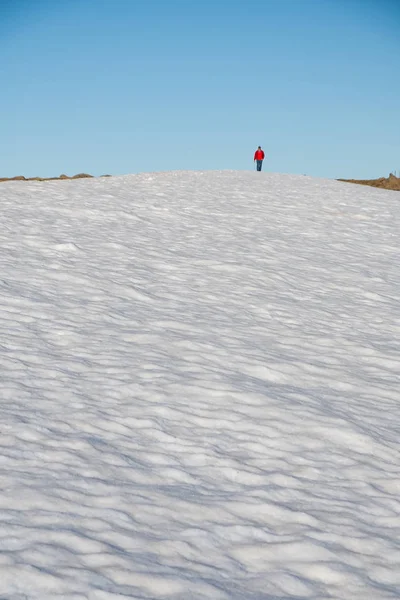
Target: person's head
{"type": "Point", "coordinates": [259, 147]}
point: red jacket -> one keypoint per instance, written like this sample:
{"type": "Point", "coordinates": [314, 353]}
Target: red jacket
{"type": "Point", "coordinates": [259, 155]}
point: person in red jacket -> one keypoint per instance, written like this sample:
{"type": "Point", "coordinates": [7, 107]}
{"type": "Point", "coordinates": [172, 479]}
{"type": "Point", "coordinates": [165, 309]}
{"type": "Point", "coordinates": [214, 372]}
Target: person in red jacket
{"type": "Point", "coordinates": [259, 157]}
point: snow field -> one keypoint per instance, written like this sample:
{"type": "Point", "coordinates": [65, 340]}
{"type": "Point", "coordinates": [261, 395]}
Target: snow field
{"type": "Point", "coordinates": [199, 389]}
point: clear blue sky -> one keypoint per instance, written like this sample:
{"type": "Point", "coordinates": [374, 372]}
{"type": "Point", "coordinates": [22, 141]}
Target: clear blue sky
{"type": "Point", "coordinates": [125, 86]}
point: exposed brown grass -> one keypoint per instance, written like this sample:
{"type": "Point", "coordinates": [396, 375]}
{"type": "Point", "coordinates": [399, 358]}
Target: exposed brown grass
{"type": "Point", "coordinates": [61, 177]}
{"type": "Point", "coordinates": [386, 183]}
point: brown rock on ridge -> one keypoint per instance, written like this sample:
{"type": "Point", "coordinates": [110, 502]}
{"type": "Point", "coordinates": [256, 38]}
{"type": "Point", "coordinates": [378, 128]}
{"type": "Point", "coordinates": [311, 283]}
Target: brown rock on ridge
{"type": "Point", "coordinates": [386, 183]}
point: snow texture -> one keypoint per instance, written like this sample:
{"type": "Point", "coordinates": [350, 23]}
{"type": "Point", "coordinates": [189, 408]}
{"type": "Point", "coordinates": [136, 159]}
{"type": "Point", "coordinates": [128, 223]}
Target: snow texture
{"type": "Point", "coordinates": [199, 389]}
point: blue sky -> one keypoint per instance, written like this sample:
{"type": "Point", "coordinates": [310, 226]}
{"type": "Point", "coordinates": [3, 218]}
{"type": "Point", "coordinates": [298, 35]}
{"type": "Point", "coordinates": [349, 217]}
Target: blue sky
{"type": "Point", "coordinates": [125, 86]}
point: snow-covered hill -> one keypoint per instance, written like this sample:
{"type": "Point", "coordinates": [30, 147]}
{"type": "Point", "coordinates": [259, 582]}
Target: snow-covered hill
{"type": "Point", "coordinates": [199, 381]}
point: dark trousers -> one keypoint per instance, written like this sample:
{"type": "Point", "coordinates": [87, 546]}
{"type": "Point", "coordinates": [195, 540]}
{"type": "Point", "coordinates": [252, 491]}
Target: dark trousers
{"type": "Point", "coordinates": [259, 165]}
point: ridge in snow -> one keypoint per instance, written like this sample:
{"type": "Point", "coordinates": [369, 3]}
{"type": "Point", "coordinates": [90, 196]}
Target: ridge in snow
{"type": "Point", "coordinates": [199, 389]}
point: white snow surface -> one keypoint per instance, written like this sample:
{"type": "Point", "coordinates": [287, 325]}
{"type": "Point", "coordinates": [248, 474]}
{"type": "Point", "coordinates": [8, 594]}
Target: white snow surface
{"type": "Point", "coordinates": [199, 388]}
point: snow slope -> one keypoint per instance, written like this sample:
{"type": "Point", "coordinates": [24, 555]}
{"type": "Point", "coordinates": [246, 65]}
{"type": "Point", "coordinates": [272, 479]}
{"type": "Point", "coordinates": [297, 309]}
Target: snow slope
{"type": "Point", "coordinates": [199, 389]}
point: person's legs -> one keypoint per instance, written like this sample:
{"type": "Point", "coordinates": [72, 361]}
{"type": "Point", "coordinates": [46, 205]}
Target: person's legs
{"type": "Point", "coordinates": [259, 165]}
